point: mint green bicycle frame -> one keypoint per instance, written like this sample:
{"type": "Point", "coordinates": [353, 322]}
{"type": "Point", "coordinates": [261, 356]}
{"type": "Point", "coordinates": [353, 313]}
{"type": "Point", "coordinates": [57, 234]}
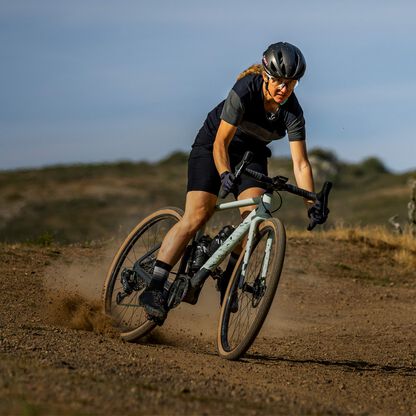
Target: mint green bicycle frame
{"type": "Point", "coordinates": [248, 226]}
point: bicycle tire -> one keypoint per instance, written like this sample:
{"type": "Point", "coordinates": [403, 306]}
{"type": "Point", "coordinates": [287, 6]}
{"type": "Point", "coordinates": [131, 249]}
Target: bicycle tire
{"type": "Point", "coordinates": [138, 324]}
{"type": "Point", "coordinates": [231, 345]}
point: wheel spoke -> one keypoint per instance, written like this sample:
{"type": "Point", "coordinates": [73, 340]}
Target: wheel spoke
{"type": "Point", "coordinates": [130, 317]}
{"type": "Point", "coordinates": [238, 329]}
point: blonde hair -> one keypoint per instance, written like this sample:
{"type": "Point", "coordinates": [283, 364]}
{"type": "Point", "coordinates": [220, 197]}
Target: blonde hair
{"type": "Point", "coordinates": [253, 69]}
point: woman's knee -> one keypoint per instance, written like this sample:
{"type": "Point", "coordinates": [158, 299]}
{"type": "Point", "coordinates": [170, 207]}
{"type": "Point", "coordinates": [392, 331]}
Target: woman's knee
{"type": "Point", "coordinates": [194, 219]}
{"type": "Point", "coordinates": [249, 193]}
{"type": "Point", "coordinates": [198, 210]}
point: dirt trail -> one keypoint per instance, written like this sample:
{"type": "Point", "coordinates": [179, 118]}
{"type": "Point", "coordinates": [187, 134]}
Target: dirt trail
{"type": "Point", "coordinates": [334, 343]}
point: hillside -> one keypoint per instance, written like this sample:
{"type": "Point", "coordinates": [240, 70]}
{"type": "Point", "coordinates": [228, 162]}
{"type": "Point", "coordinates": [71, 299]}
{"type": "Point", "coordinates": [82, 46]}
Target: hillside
{"type": "Point", "coordinates": [98, 201]}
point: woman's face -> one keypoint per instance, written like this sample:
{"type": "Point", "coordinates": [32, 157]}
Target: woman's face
{"type": "Point", "coordinates": [279, 88]}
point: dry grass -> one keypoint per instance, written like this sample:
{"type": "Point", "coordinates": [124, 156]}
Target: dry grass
{"type": "Point", "coordinates": [401, 248]}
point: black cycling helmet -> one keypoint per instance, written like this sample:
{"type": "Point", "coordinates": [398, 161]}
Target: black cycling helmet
{"type": "Point", "coordinates": [284, 60]}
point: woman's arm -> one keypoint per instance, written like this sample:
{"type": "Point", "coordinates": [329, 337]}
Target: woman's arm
{"type": "Point", "coordinates": [301, 167]}
{"type": "Point", "coordinates": [223, 138]}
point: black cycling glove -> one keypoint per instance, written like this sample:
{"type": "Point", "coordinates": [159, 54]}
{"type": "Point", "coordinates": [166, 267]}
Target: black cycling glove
{"type": "Point", "coordinates": [317, 215]}
{"type": "Point", "coordinates": [228, 182]}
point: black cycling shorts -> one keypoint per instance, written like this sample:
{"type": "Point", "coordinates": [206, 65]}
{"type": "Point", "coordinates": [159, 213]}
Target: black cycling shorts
{"type": "Point", "coordinates": [203, 175]}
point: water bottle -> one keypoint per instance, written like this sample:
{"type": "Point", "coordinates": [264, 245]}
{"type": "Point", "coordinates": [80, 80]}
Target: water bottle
{"type": "Point", "coordinates": [220, 238]}
{"type": "Point", "coordinates": [201, 253]}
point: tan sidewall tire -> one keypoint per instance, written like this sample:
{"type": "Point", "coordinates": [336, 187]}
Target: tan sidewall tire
{"type": "Point", "coordinates": [109, 281]}
{"type": "Point", "coordinates": [276, 267]}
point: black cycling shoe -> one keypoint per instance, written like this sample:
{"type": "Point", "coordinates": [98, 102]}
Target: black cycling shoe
{"type": "Point", "coordinates": [154, 303]}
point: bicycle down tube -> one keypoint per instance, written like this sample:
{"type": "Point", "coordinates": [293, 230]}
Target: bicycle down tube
{"type": "Point", "coordinates": [248, 225]}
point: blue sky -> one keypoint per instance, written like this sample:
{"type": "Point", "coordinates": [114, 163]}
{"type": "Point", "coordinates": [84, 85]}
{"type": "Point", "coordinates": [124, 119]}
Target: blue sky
{"type": "Point", "coordinates": [97, 80]}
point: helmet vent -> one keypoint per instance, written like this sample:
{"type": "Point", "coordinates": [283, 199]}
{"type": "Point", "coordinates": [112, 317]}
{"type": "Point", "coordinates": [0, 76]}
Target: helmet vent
{"type": "Point", "coordinates": [283, 59]}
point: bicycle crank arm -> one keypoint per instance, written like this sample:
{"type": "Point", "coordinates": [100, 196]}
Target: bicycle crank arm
{"type": "Point", "coordinates": [197, 282]}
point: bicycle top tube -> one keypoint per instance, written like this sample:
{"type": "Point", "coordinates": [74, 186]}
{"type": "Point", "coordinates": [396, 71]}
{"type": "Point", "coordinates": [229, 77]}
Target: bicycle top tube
{"type": "Point", "coordinates": [237, 204]}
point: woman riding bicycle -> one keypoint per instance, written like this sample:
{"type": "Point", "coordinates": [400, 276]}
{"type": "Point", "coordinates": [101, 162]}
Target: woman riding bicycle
{"type": "Point", "coordinates": [261, 107]}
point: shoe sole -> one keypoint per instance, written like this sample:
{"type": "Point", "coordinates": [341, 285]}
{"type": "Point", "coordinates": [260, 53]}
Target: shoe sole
{"type": "Point", "coordinates": [154, 313]}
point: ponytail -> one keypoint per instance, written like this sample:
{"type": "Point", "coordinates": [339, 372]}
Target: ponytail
{"type": "Point", "coordinates": [253, 69]}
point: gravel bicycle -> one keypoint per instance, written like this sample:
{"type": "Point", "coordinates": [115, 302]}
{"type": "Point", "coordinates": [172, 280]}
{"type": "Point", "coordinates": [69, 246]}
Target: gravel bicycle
{"type": "Point", "coordinates": [254, 280]}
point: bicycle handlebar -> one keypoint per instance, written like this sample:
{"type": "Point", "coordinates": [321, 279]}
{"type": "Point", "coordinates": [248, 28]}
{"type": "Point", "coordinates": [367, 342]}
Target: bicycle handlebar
{"type": "Point", "coordinates": [278, 183]}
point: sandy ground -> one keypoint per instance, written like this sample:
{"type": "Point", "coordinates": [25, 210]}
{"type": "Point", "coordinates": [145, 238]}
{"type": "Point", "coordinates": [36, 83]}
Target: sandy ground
{"type": "Point", "coordinates": [334, 343]}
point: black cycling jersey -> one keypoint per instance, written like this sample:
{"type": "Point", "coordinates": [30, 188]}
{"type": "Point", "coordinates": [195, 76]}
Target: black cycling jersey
{"type": "Point", "coordinates": [244, 108]}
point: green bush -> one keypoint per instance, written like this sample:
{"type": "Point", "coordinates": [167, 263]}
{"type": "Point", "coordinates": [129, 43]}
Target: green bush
{"type": "Point", "coordinates": [373, 165]}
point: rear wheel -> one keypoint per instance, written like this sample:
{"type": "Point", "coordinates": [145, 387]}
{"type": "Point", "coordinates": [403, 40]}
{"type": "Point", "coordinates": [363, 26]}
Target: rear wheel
{"type": "Point", "coordinates": [140, 247]}
{"type": "Point", "coordinates": [248, 299]}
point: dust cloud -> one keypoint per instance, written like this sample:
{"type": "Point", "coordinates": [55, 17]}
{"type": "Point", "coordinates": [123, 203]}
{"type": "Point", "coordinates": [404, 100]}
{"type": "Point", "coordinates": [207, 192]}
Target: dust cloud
{"type": "Point", "coordinates": [74, 286]}
{"type": "Point", "coordinates": [198, 320]}
{"type": "Point", "coordinates": [75, 312]}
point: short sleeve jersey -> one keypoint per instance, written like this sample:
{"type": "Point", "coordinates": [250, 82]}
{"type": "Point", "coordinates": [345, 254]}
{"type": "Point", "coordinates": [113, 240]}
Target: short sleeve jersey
{"type": "Point", "coordinates": [244, 108]}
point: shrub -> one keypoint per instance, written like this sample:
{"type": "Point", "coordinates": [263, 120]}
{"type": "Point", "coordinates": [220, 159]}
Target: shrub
{"type": "Point", "coordinates": [373, 165]}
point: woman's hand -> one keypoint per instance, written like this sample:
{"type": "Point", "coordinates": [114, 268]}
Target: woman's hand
{"type": "Point", "coordinates": [228, 182]}
{"type": "Point", "coordinates": [317, 214]}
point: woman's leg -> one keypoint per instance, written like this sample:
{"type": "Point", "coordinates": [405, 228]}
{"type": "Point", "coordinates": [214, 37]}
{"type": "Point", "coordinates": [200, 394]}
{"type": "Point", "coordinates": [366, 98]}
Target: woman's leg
{"type": "Point", "coordinates": [199, 208]}
{"type": "Point", "coordinates": [246, 194]}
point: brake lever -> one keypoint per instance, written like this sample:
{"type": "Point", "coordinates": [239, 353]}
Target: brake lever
{"type": "Point", "coordinates": [322, 197]}
{"type": "Point", "coordinates": [241, 167]}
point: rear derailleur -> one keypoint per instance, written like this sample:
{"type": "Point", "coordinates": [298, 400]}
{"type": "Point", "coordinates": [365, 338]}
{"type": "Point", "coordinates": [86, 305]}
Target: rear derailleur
{"type": "Point", "coordinates": [131, 281]}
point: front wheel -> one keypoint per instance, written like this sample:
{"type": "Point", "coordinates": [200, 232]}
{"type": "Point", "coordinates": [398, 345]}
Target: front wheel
{"type": "Point", "coordinates": [122, 287]}
{"type": "Point", "coordinates": [250, 294]}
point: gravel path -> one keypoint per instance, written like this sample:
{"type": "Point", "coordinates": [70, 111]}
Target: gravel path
{"type": "Point", "coordinates": [335, 342]}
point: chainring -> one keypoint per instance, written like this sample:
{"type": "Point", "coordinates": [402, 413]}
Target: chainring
{"type": "Point", "coordinates": [178, 291]}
